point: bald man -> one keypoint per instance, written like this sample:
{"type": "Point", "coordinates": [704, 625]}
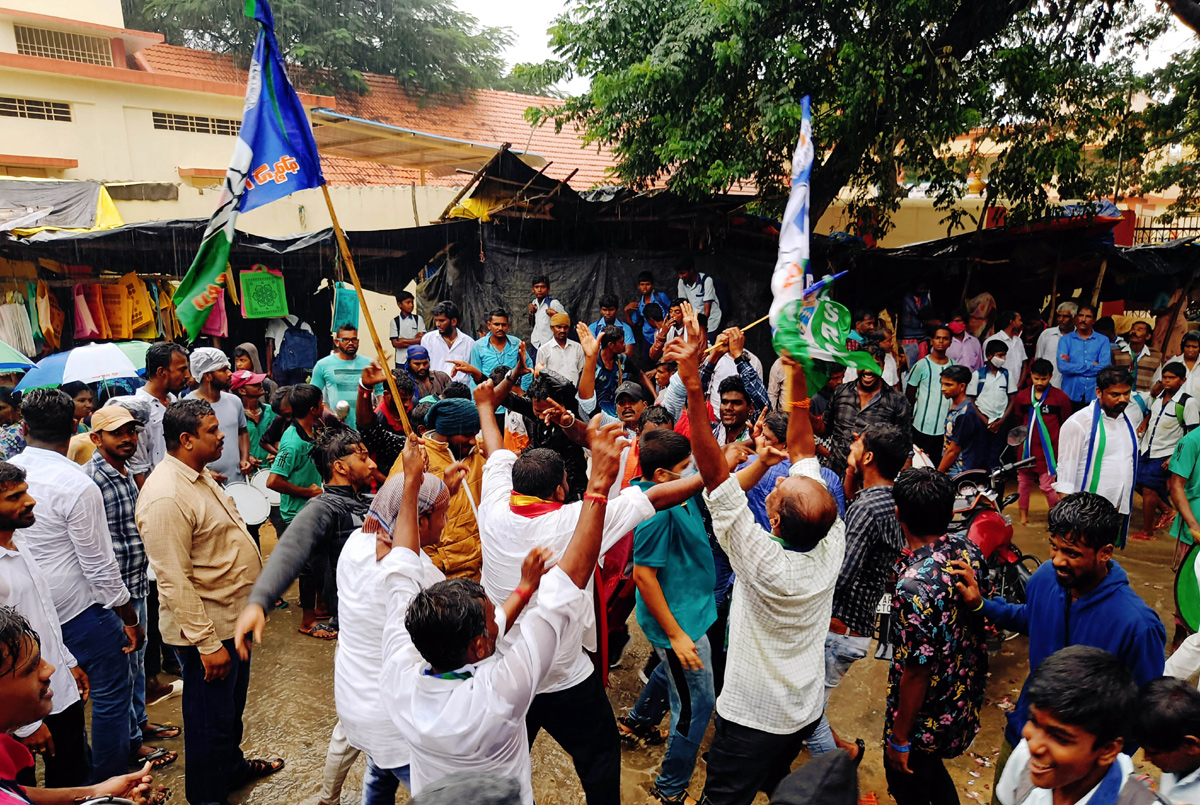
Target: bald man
{"type": "Point", "coordinates": [774, 689]}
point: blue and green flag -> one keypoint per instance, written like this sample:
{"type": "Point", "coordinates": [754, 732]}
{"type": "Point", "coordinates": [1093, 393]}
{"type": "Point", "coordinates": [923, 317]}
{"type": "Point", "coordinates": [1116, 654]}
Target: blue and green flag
{"type": "Point", "coordinates": [274, 157]}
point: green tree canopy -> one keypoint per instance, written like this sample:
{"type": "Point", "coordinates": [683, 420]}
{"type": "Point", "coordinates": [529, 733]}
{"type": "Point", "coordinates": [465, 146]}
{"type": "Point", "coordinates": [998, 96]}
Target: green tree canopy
{"type": "Point", "coordinates": [430, 46]}
{"type": "Point", "coordinates": [706, 93]}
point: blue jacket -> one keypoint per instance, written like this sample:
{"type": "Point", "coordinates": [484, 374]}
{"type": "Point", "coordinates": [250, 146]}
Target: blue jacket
{"type": "Point", "coordinates": [1112, 617]}
{"type": "Point", "coordinates": [1085, 357]}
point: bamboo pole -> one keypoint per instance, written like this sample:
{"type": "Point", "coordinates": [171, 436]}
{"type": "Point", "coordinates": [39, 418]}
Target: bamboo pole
{"type": "Point", "coordinates": [744, 329]}
{"type": "Point", "coordinates": [1099, 282]}
{"type": "Point", "coordinates": [366, 311]}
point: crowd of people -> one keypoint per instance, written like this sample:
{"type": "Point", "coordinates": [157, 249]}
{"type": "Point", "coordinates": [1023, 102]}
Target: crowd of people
{"type": "Point", "coordinates": [477, 545]}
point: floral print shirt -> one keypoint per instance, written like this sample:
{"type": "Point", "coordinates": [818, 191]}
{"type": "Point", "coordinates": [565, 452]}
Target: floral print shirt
{"type": "Point", "coordinates": [930, 628]}
{"type": "Point", "coordinates": [12, 441]}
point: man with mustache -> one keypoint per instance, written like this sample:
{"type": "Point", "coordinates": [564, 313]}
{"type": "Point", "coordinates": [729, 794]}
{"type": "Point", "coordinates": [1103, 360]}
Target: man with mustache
{"type": "Point", "coordinates": [1080, 597]}
{"type": "Point", "coordinates": [1098, 446]}
{"type": "Point", "coordinates": [429, 382]}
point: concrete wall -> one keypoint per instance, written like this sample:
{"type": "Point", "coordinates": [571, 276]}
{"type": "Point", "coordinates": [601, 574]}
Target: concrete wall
{"type": "Point", "coordinates": [101, 12]}
{"type": "Point", "coordinates": [915, 222]}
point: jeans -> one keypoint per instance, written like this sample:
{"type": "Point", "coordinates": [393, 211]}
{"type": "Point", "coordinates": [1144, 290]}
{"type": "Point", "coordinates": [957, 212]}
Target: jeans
{"type": "Point", "coordinates": [929, 783]}
{"type": "Point", "coordinates": [692, 700]}
{"type": "Point", "coordinates": [96, 637]}
{"type": "Point", "coordinates": [841, 651]}
{"type": "Point", "coordinates": [1027, 479]}
{"type": "Point", "coordinates": [581, 720]}
{"type": "Point", "coordinates": [212, 727]}
{"type": "Point", "coordinates": [338, 759]}
{"type": "Point", "coordinates": [380, 785]}
{"type": "Point", "coordinates": [137, 677]}
{"type": "Point", "coordinates": [743, 761]}
{"type": "Point", "coordinates": [654, 703]}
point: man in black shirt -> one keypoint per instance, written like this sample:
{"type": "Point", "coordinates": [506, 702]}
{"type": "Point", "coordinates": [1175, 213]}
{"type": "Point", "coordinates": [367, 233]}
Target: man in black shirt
{"type": "Point", "coordinates": [866, 401]}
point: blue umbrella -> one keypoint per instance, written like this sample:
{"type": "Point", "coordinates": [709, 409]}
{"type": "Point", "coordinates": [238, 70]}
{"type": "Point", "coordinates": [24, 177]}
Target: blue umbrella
{"type": "Point", "coordinates": [92, 363]}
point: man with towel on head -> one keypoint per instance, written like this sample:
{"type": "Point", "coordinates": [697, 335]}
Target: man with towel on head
{"type": "Point", "coordinates": [450, 440]}
{"type": "Point", "coordinates": [561, 355]}
{"type": "Point", "coordinates": [429, 382]}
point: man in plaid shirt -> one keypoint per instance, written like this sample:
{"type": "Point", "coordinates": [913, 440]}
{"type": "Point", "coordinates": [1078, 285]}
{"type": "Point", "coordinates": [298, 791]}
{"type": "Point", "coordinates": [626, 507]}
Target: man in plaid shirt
{"type": "Point", "coordinates": [115, 434]}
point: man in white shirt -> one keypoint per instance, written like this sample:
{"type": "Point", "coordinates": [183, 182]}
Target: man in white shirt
{"type": "Point", "coordinates": [1173, 413]}
{"type": "Point", "coordinates": [72, 547]}
{"type": "Point", "coordinates": [166, 376]}
{"type": "Point", "coordinates": [560, 354]}
{"type": "Point", "coordinates": [541, 310]}
{"type": "Point", "coordinates": [700, 290]}
{"type": "Point", "coordinates": [1097, 446]}
{"type": "Point", "coordinates": [521, 507]}
{"type": "Point", "coordinates": [774, 690]}
{"type": "Point", "coordinates": [61, 737]}
{"type": "Point", "coordinates": [407, 329]}
{"type": "Point", "coordinates": [1047, 343]}
{"type": "Point", "coordinates": [1009, 326]}
{"type": "Point", "coordinates": [461, 704]}
{"type": "Point", "coordinates": [447, 343]}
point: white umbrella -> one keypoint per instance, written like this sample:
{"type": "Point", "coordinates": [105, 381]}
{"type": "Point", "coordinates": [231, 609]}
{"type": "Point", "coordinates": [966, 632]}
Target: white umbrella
{"type": "Point", "coordinates": [92, 363]}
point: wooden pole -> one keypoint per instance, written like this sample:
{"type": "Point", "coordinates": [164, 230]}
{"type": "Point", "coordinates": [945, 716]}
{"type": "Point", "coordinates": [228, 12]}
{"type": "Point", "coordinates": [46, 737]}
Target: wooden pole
{"type": "Point", "coordinates": [366, 311]}
{"type": "Point", "coordinates": [744, 329]}
{"type": "Point", "coordinates": [446, 212]}
{"type": "Point", "coordinates": [1099, 281]}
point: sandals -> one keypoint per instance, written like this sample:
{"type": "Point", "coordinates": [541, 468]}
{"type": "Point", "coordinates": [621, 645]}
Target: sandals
{"type": "Point", "coordinates": [167, 692]}
{"type": "Point", "coordinates": [682, 798]}
{"type": "Point", "coordinates": [639, 732]}
{"type": "Point", "coordinates": [258, 769]}
{"type": "Point", "coordinates": [1142, 537]}
{"type": "Point", "coordinates": [321, 631]}
{"type": "Point", "coordinates": [160, 732]}
{"type": "Point", "coordinates": [157, 758]}
{"type": "Point", "coordinates": [279, 604]}
{"type": "Point", "coordinates": [862, 750]}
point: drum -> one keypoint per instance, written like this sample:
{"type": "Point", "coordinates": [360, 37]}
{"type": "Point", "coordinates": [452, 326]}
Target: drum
{"type": "Point", "coordinates": [251, 503]}
{"type": "Point", "coordinates": [260, 483]}
{"type": "Point", "coordinates": [1187, 589]}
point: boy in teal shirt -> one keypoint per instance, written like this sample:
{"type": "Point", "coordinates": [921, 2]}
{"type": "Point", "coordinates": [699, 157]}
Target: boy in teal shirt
{"type": "Point", "coordinates": [674, 573]}
{"type": "Point", "coordinates": [294, 475]}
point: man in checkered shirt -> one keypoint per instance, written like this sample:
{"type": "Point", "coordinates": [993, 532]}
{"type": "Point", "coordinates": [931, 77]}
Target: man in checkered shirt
{"type": "Point", "coordinates": [774, 691]}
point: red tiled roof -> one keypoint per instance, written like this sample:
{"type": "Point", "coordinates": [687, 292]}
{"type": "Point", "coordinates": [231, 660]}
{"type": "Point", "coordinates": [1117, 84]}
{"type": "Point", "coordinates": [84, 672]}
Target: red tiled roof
{"type": "Point", "coordinates": [490, 117]}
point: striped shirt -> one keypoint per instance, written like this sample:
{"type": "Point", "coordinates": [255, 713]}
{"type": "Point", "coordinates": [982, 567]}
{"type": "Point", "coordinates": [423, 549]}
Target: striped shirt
{"type": "Point", "coordinates": [930, 409]}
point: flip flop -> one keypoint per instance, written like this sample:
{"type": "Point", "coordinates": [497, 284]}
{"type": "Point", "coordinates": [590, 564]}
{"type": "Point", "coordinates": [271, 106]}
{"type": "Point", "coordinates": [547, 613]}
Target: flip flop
{"type": "Point", "coordinates": [1142, 537]}
{"type": "Point", "coordinates": [158, 758]}
{"type": "Point", "coordinates": [258, 769]}
{"type": "Point", "coordinates": [321, 631]}
{"type": "Point", "coordinates": [160, 732]}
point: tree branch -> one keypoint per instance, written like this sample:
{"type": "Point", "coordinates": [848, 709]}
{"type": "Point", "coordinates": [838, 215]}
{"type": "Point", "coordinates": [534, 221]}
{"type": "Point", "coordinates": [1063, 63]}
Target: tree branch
{"type": "Point", "coordinates": [1187, 11]}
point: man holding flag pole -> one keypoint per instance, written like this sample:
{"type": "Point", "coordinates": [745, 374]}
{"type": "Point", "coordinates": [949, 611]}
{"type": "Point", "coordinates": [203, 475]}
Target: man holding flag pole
{"type": "Point", "coordinates": [274, 157]}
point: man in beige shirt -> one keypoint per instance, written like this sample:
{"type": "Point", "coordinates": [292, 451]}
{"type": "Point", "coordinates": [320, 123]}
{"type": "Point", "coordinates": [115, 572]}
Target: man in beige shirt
{"type": "Point", "coordinates": [206, 564]}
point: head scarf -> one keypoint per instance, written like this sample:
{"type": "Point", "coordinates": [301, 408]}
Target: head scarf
{"type": "Point", "coordinates": [252, 351]}
{"type": "Point", "coordinates": [453, 417]}
{"type": "Point", "coordinates": [381, 517]}
{"type": "Point", "coordinates": [207, 359]}
{"type": "Point", "coordinates": [559, 318]}
{"type": "Point", "coordinates": [418, 353]}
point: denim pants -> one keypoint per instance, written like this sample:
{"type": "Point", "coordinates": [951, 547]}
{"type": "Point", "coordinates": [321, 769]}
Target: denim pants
{"type": "Point", "coordinates": [380, 785]}
{"type": "Point", "coordinates": [692, 700]}
{"type": "Point", "coordinates": [96, 637]}
{"type": "Point", "coordinates": [841, 651]}
{"type": "Point", "coordinates": [137, 677]}
{"type": "Point", "coordinates": [212, 727]}
{"type": "Point", "coordinates": [654, 703]}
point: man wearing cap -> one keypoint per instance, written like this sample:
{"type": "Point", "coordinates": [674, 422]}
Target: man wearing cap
{"type": "Point", "coordinates": [248, 387]}
{"type": "Point", "coordinates": [211, 367]}
{"type": "Point", "coordinates": [561, 355]}
{"type": "Point", "coordinates": [429, 382]}
{"type": "Point", "coordinates": [115, 435]}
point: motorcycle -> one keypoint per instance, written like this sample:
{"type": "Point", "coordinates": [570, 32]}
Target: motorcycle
{"type": "Point", "coordinates": [979, 511]}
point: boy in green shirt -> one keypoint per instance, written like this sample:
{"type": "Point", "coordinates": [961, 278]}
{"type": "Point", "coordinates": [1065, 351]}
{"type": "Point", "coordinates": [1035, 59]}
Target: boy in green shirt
{"type": "Point", "coordinates": [674, 573]}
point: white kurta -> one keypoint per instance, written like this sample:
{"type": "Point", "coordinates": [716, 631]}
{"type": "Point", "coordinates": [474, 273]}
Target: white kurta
{"type": "Point", "coordinates": [1116, 468]}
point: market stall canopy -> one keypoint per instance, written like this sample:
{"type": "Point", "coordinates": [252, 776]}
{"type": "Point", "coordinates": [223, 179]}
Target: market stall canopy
{"type": "Point", "coordinates": [370, 141]}
{"type": "Point", "coordinates": [30, 206]}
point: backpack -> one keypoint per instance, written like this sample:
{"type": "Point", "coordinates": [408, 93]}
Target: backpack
{"type": "Point", "coordinates": [1179, 404]}
{"type": "Point", "coordinates": [298, 350]}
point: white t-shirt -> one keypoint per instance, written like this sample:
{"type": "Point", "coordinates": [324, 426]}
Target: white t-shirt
{"type": "Point", "coordinates": [991, 392]}
{"type": "Point", "coordinates": [405, 327]}
{"type": "Point", "coordinates": [541, 320]}
{"type": "Point", "coordinates": [277, 329]}
{"type": "Point", "coordinates": [703, 291]}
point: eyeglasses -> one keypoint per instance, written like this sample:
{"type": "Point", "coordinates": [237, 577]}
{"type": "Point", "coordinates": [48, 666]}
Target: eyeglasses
{"type": "Point", "coordinates": [355, 340]}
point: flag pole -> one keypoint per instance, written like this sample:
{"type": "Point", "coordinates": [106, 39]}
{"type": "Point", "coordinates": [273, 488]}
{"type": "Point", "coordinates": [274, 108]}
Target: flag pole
{"type": "Point", "coordinates": [344, 248]}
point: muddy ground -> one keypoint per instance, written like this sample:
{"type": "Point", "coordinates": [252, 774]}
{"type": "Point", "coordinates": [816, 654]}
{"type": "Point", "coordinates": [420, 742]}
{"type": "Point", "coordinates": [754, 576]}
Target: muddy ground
{"type": "Point", "coordinates": [291, 710]}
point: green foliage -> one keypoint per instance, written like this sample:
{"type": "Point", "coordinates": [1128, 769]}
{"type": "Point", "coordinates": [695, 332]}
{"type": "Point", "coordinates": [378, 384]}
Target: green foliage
{"type": "Point", "coordinates": [1173, 135]}
{"type": "Point", "coordinates": [702, 94]}
{"type": "Point", "coordinates": [429, 46]}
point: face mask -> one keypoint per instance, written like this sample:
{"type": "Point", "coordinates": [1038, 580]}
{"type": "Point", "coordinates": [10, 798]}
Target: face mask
{"type": "Point", "coordinates": [997, 361]}
{"type": "Point", "coordinates": [957, 327]}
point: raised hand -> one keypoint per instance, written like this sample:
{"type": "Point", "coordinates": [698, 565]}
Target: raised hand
{"type": "Point", "coordinates": [485, 394]}
{"type": "Point", "coordinates": [606, 445]}
{"type": "Point", "coordinates": [373, 375]}
{"type": "Point", "coordinates": [414, 460]}
{"type": "Point", "coordinates": [536, 563]}
{"type": "Point", "coordinates": [522, 368]}
{"type": "Point", "coordinates": [453, 476]}
{"type": "Point", "coordinates": [556, 414]}
{"type": "Point", "coordinates": [466, 368]}
{"type": "Point", "coordinates": [591, 346]}
{"type": "Point", "coordinates": [736, 453]}
{"type": "Point", "coordinates": [737, 341]}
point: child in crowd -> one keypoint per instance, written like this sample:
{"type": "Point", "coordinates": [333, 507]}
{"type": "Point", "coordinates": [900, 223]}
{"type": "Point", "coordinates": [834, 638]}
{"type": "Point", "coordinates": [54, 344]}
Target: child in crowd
{"type": "Point", "coordinates": [992, 389]}
{"type": "Point", "coordinates": [1042, 408]}
{"type": "Point", "coordinates": [637, 312]}
{"type": "Point", "coordinates": [966, 434]}
{"type": "Point", "coordinates": [1172, 414]}
{"type": "Point", "coordinates": [1168, 726]}
{"type": "Point", "coordinates": [673, 570]}
{"type": "Point", "coordinates": [1082, 704]}
{"type": "Point", "coordinates": [541, 309]}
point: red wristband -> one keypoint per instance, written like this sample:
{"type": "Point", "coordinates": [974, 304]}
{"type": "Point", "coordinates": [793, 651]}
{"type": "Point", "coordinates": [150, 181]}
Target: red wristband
{"type": "Point", "coordinates": [596, 496]}
{"type": "Point", "coordinates": [524, 593]}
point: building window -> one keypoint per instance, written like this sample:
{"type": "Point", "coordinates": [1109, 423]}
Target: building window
{"type": "Point", "coordinates": [63, 46]}
{"type": "Point", "coordinates": [169, 121]}
{"type": "Point", "coordinates": [35, 110]}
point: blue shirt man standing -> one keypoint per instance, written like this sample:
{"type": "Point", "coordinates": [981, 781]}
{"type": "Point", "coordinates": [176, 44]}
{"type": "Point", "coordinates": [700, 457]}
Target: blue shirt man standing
{"type": "Point", "coordinates": [1082, 355]}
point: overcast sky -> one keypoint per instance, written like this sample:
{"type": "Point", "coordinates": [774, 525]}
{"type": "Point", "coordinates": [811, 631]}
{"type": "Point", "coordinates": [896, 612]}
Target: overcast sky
{"type": "Point", "coordinates": [529, 20]}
